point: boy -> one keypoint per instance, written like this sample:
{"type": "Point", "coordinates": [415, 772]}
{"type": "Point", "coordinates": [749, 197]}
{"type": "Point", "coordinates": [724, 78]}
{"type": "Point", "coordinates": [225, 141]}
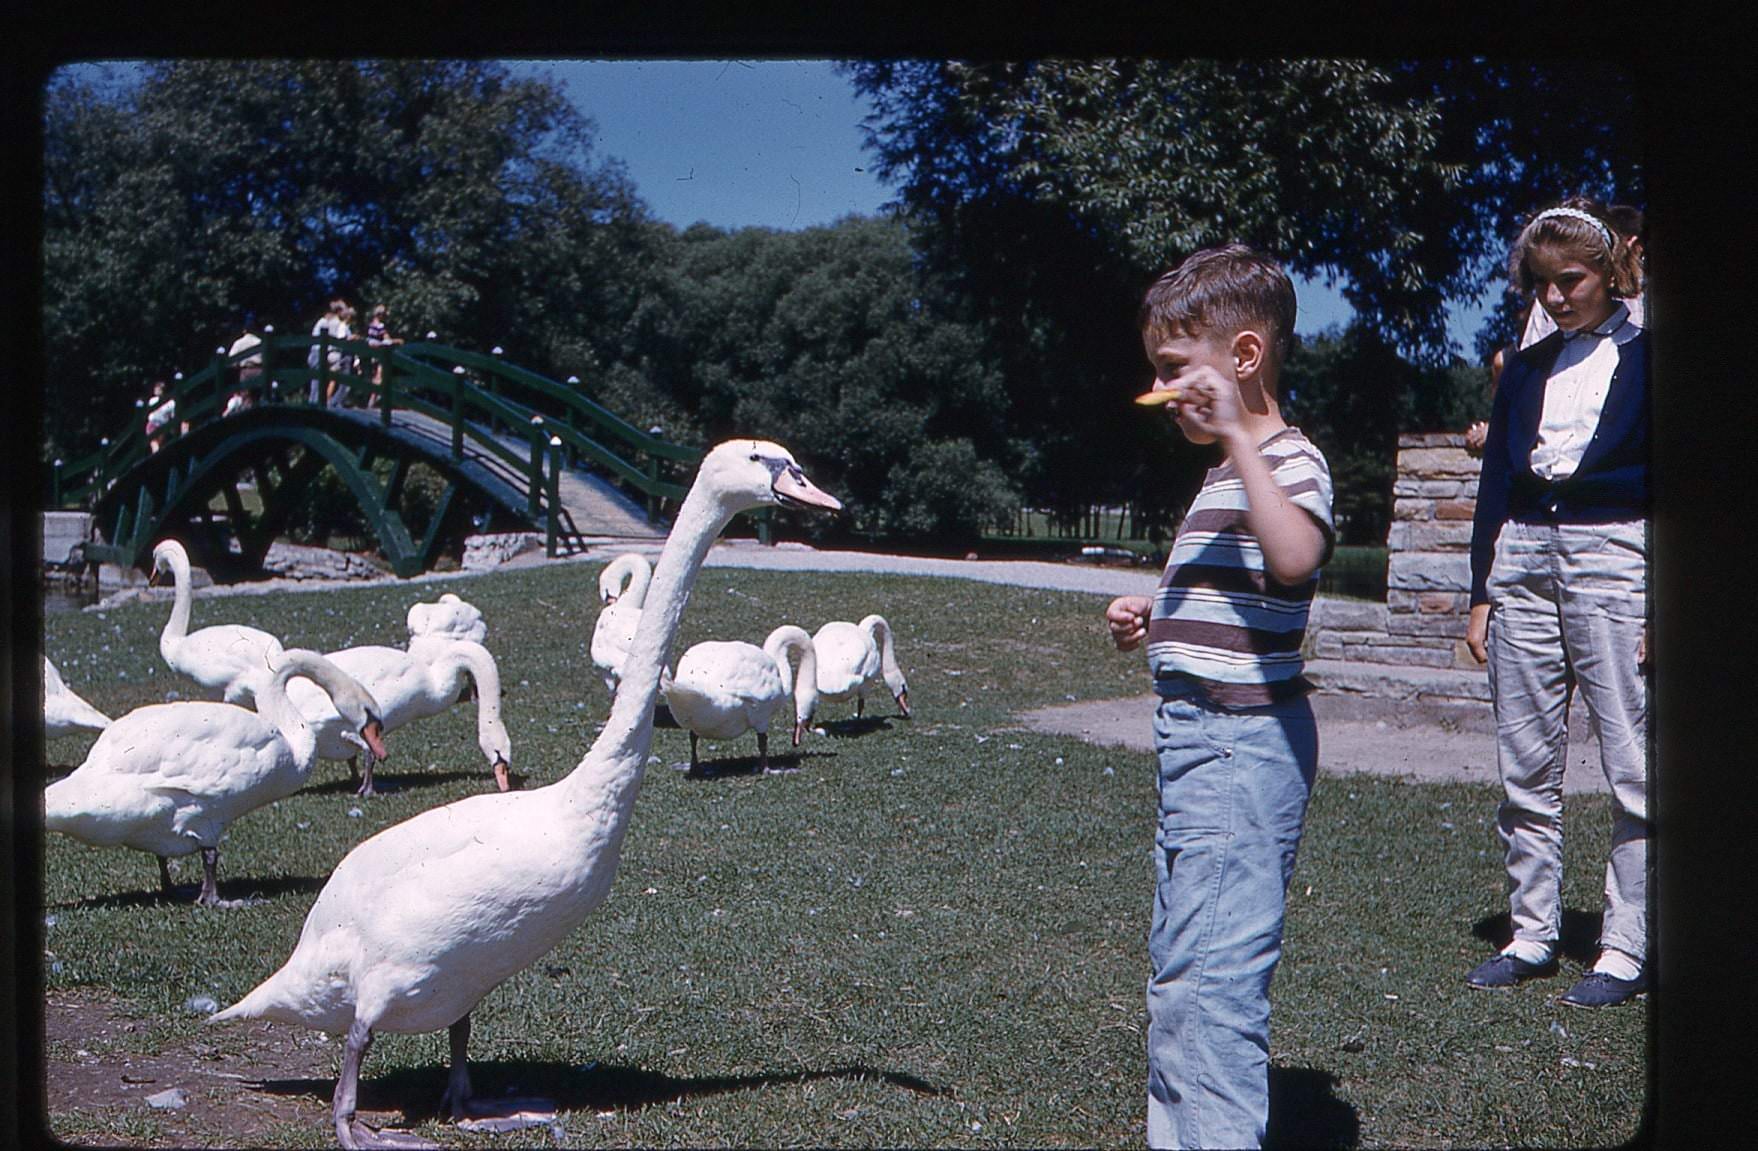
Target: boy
{"type": "Point", "coordinates": [1235, 737]}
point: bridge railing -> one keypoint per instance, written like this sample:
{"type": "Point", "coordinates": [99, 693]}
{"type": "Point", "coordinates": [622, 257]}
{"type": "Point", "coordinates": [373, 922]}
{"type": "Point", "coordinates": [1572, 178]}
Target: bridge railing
{"type": "Point", "coordinates": [480, 397]}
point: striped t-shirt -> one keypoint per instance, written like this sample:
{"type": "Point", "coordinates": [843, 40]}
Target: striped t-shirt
{"type": "Point", "coordinates": [1217, 617]}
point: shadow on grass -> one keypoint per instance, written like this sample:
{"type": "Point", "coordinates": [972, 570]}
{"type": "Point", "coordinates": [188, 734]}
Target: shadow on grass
{"type": "Point", "coordinates": [396, 781]}
{"type": "Point", "coordinates": [728, 767]}
{"type": "Point", "coordinates": [596, 1086]}
{"type": "Point", "coordinates": [856, 726]}
{"type": "Point", "coordinates": [1580, 937]}
{"type": "Point", "coordinates": [1306, 1113]}
{"type": "Point", "coordinates": [253, 890]}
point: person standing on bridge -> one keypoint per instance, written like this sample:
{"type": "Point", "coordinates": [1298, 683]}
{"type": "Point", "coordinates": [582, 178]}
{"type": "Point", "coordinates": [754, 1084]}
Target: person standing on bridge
{"type": "Point", "coordinates": [249, 368]}
{"type": "Point", "coordinates": [378, 335]}
{"type": "Point", "coordinates": [337, 396]}
{"type": "Point", "coordinates": [334, 324]}
{"type": "Point", "coordinates": [160, 412]}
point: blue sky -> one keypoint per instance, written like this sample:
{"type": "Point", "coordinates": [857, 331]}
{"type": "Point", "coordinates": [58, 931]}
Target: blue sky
{"type": "Point", "coordinates": [769, 143]}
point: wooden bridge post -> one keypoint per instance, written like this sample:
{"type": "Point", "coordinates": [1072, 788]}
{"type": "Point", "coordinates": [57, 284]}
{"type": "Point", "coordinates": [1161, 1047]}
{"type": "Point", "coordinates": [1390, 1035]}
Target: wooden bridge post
{"type": "Point", "coordinates": [458, 412]}
{"type": "Point", "coordinates": [271, 386]}
{"type": "Point", "coordinates": [534, 475]}
{"type": "Point", "coordinates": [555, 494]}
{"type": "Point", "coordinates": [387, 373]}
{"type": "Point", "coordinates": [220, 389]}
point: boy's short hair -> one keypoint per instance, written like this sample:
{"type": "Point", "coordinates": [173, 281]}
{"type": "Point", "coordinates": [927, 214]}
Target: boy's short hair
{"type": "Point", "coordinates": [1223, 289]}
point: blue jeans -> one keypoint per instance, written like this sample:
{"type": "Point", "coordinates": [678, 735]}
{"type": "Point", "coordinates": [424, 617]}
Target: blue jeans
{"type": "Point", "coordinates": [1233, 792]}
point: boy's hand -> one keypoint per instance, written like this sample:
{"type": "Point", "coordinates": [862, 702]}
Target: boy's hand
{"type": "Point", "coordinates": [1210, 402]}
{"type": "Point", "coordinates": [1127, 617]}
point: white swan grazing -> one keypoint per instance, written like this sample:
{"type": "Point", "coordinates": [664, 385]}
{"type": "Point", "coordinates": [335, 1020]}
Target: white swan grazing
{"type": "Point", "coordinates": [724, 688]}
{"type": "Point", "coordinates": [64, 711]}
{"type": "Point", "coordinates": [451, 618]}
{"type": "Point", "coordinates": [229, 658]}
{"type": "Point", "coordinates": [168, 778]}
{"type": "Point", "coordinates": [428, 679]}
{"type": "Point", "coordinates": [421, 921]}
{"type": "Point", "coordinates": [851, 656]}
{"type": "Point", "coordinates": [622, 588]}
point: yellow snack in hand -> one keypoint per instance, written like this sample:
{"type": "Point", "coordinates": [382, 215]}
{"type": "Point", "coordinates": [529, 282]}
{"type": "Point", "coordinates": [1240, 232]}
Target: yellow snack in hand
{"type": "Point", "coordinates": [1166, 396]}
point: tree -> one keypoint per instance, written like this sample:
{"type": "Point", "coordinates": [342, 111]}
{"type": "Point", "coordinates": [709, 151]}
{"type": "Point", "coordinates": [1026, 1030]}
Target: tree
{"type": "Point", "coordinates": [828, 339]}
{"type": "Point", "coordinates": [1404, 179]}
{"type": "Point", "coordinates": [467, 201]}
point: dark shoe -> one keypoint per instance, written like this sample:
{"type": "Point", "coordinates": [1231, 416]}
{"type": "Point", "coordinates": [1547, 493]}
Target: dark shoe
{"type": "Point", "coordinates": [1597, 989]}
{"type": "Point", "coordinates": [1507, 970]}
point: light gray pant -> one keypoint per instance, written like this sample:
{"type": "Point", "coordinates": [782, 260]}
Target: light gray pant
{"type": "Point", "coordinates": [1569, 602]}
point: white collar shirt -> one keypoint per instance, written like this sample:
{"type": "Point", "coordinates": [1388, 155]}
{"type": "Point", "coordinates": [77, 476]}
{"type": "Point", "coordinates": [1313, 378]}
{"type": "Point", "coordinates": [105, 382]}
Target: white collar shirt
{"type": "Point", "coordinates": [1574, 394]}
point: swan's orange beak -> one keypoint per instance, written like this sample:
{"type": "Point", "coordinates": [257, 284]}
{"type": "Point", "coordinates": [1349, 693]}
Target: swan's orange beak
{"type": "Point", "coordinates": [373, 733]}
{"type": "Point", "coordinates": [799, 732]}
{"type": "Point", "coordinates": [503, 774]}
{"type": "Point", "coordinates": [903, 702]}
{"type": "Point", "coordinates": [153, 577]}
{"type": "Point", "coordinates": [792, 487]}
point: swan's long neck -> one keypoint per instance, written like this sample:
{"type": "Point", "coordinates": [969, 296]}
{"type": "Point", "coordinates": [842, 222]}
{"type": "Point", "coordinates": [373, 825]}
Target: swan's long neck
{"type": "Point", "coordinates": [640, 577]}
{"type": "Point", "coordinates": [177, 627]}
{"type": "Point", "coordinates": [614, 764]}
{"type": "Point", "coordinates": [876, 626]}
{"type": "Point", "coordinates": [475, 659]}
{"type": "Point", "coordinates": [273, 705]}
{"type": "Point", "coordinates": [804, 689]}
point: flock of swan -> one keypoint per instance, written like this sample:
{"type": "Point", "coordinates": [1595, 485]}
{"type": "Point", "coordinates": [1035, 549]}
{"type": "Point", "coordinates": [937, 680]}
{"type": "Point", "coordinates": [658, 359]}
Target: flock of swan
{"type": "Point", "coordinates": [419, 922]}
{"type": "Point", "coordinates": [725, 688]}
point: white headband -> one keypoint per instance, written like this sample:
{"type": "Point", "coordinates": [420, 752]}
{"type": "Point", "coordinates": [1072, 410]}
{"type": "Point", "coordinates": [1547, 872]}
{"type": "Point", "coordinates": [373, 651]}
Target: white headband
{"type": "Point", "coordinates": [1578, 214]}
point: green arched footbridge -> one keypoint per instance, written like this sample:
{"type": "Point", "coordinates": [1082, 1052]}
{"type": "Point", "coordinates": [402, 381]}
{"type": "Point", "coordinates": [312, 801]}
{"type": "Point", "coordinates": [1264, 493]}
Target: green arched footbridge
{"type": "Point", "coordinates": [515, 451]}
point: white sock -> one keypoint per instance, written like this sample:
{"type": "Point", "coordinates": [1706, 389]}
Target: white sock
{"type": "Point", "coordinates": [1618, 965]}
{"type": "Point", "coordinates": [1528, 951]}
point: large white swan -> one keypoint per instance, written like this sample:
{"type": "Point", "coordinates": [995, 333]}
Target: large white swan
{"type": "Point", "coordinates": [451, 617]}
{"type": "Point", "coordinates": [64, 710]}
{"type": "Point", "coordinates": [724, 688]}
{"type": "Point", "coordinates": [852, 655]}
{"type": "Point", "coordinates": [230, 658]}
{"type": "Point", "coordinates": [622, 588]}
{"type": "Point", "coordinates": [168, 778]}
{"type": "Point", "coordinates": [426, 680]}
{"type": "Point", "coordinates": [421, 921]}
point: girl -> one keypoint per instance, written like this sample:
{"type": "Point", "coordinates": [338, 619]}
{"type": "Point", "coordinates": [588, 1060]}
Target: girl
{"type": "Point", "coordinates": [1559, 578]}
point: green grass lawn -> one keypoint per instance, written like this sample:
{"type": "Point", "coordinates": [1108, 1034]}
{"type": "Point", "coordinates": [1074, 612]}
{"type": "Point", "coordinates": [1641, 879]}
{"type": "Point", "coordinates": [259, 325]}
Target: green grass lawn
{"type": "Point", "coordinates": [932, 934]}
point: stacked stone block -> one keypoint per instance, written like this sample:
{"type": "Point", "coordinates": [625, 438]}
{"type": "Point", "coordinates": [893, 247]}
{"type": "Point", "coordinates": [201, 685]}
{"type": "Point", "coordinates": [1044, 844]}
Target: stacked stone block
{"type": "Point", "coordinates": [1428, 577]}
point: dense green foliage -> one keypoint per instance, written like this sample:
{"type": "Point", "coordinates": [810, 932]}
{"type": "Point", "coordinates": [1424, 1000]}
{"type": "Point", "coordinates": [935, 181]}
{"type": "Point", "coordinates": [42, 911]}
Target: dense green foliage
{"type": "Point", "coordinates": [1403, 179]}
{"type": "Point", "coordinates": [931, 935]}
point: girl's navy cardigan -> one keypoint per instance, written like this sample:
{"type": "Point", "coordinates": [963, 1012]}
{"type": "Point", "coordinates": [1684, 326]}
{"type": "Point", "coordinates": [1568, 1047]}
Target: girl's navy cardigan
{"type": "Point", "coordinates": [1611, 482]}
